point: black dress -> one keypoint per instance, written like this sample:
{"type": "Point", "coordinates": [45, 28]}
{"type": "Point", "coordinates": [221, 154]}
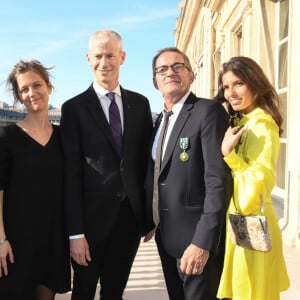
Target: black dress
{"type": "Point", "coordinates": [31, 176]}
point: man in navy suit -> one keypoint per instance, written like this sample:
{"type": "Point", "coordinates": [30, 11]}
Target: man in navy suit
{"type": "Point", "coordinates": [193, 183]}
{"type": "Point", "coordinates": [105, 133]}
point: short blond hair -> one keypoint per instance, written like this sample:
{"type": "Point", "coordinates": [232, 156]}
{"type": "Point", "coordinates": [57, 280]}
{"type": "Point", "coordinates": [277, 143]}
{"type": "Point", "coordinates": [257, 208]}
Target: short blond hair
{"type": "Point", "coordinates": [104, 35]}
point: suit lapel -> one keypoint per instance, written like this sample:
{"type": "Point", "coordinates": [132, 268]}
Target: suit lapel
{"type": "Point", "coordinates": [150, 166]}
{"type": "Point", "coordinates": [179, 124]}
{"type": "Point", "coordinates": [95, 109]}
{"type": "Point", "coordinates": [128, 119]}
{"type": "Point", "coordinates": [156, 126]}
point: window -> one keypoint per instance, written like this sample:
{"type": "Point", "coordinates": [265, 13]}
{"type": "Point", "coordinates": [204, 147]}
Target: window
{"type": "Point", "coordinates": [281, 83]}
{"type": "Point", "coordinates": [238, 40]}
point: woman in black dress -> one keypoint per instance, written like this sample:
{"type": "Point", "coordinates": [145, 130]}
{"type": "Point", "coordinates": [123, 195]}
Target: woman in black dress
{"type": "Point", "coordinates": [34, 255]}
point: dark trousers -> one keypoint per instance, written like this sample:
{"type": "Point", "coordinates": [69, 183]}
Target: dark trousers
{"type": "Point", "coordinates": [112, 259]}
{"type": "Point", "coordinates": [189, 287]}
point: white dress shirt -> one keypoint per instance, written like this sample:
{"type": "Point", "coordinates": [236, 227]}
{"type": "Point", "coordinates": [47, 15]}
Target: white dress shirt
{"type": "Point", "coordinates": [105, 101]}
{"type": "Point", "coordinates": [172, 119]}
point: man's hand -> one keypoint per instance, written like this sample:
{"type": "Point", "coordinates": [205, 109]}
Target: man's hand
{"type": "Point", "coordinates": [193, 260]}
{"type": "Point", "coordinates": [79, 251]}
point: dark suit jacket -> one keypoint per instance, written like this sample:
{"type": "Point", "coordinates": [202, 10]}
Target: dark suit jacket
{"type": "Point", "coordinates": [96, 175]}
{"type": "Point", "coordinates": [193, 195]}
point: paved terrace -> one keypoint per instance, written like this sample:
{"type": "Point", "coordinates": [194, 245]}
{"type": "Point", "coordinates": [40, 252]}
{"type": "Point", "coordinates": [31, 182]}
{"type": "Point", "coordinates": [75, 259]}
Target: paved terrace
{"type": "Point", "coordinates": [146, 280]}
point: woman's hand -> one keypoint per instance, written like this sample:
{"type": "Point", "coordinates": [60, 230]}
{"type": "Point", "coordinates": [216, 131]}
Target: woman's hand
{"type": "Point", "coordinates": [5, 252]}
{"type": "Point", "coordinates": [149, 235]}
{"type": "Point", "coordinates": [232, 138]}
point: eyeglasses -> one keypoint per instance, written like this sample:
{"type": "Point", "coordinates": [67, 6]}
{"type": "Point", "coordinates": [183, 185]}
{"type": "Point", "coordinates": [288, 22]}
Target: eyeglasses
{"type": "Point", "coordinates": [177, 67]}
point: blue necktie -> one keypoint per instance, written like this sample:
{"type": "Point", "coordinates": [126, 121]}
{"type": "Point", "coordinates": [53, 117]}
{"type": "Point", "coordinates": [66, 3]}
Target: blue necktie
{"type": "Point", "coordinates": [115, 121]}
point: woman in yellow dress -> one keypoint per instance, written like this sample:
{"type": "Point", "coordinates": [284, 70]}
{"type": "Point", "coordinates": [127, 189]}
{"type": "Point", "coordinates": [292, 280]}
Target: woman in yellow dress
{"type": "Point", "coordinates": [250, 148]}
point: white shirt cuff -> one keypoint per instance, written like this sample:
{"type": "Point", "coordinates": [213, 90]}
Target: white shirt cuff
{"type": "Point", "coordinates": [77, 236]}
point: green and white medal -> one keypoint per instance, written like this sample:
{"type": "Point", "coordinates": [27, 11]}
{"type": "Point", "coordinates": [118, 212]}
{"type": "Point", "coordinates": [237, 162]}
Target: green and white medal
{"type": "Point", "coordinates": [184, 144]}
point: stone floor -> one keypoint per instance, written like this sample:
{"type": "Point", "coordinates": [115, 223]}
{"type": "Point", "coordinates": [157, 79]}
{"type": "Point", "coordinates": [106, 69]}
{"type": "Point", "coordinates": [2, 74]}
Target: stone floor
{"type": "Point", "coordinates": [146, 280]}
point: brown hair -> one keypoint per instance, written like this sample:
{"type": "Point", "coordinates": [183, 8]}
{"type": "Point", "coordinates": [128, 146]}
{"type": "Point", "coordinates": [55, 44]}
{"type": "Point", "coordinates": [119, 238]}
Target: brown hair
{"type": "Point", "coordinates": [22, 67]}
{"type": "Point", "coordinates": [254, 77]}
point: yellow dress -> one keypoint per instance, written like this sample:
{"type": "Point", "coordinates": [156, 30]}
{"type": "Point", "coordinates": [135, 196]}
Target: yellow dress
{"type": "Point", "coordinates": [248, 274]}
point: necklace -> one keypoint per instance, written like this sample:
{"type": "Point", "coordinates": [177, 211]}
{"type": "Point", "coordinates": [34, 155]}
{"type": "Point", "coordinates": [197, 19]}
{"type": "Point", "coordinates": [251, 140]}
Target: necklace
{"type": "Point", "coordinates": [37, 130]}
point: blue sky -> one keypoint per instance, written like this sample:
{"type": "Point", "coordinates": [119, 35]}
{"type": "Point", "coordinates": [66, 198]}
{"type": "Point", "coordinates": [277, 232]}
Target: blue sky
{"type": "Point", "coordinates": [57, 34]}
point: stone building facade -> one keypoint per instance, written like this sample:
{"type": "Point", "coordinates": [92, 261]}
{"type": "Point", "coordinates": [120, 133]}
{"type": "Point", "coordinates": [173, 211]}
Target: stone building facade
{"type": "Point", "coordinates": [212, 31]}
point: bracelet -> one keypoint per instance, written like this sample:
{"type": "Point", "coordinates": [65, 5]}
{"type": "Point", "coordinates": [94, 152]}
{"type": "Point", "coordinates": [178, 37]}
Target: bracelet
{"type": "Point", "coordinates": [2, 242]}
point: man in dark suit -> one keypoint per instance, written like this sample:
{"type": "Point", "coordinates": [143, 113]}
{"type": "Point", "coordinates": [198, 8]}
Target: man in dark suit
{"type": "Point", "coordinates": [105, 132]}
{"type": "Point", "coordinates": [191, 183]}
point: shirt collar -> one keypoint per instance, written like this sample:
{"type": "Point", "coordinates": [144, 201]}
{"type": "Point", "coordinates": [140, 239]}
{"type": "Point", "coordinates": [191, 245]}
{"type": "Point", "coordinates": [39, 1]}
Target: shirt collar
{"type": "Point", "coordinates": [178, 106]}
{"type": "Point", "coordinates": [100, 91]}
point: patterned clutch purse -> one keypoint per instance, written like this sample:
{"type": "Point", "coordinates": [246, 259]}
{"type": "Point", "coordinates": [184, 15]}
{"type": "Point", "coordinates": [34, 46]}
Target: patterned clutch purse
{"type": "Point", "coordinates": [250, 231]}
